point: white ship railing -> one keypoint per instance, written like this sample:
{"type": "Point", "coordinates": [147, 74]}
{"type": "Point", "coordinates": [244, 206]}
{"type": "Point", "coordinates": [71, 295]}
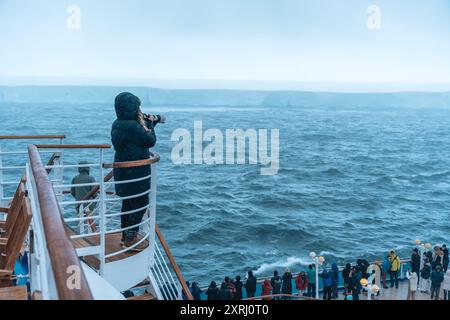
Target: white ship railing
{"type": "Point", "coordinates": [20, 157]}
{"type": "Point", "coordinates": [165, 270]}
{"type": "Point", "coordinates": [104, 219]}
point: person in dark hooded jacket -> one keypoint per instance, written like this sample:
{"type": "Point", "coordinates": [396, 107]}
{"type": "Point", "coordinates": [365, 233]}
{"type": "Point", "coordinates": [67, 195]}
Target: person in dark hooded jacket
{"type": "Point", "coordinates": [415, 263]}
{"type": "Point", "coordinates": [355, 283]}
{"type": "Point", "coordinates": [275, 282]}
{"type": "Point", "coordinates": [196, 291]}
{"type": "Point", "coordinates": [335, 281]}
{"type": "Point", "coordinates": [346, 277]}
{"type": "Point", "coordinates": [212, 292]}
{"type": "Point", "coordinates": [286, 287]}
{"type": "Point", "coordinates": [250, 285]}
{"type": "Point", "coordinates": [224, 292]}
{"type": "Point", "coordinates": [437, 277]}
{"type": "Point", "coordinates": [238, 285]}
{"type": "Point", "coordinates": [445, 258]}
{"type": "Point", "coordinates": [132, 135]}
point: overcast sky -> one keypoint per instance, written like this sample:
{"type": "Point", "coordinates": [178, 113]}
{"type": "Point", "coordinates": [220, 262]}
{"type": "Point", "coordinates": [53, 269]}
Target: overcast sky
{"type": "Point", "coordinates": [270, 40]}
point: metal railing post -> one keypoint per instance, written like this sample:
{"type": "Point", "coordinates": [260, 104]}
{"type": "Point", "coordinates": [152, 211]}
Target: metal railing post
{"type": "Point", "coordinates": [61, 169]}
{"type": "Point", "coordinates": [317, 279]}
{"type": "Point", "coordinates": [152, 235]}
{"type": "Point", "coordinates": [81, 223]}
{"type": "Point", "coordinates": [102, 222]}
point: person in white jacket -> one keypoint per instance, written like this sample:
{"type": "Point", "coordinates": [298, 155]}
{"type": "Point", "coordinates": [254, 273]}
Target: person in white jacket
{"type": "Point", "coordinates": [412, 284]}
{"type": "Point", "coordinates": [446, 285]}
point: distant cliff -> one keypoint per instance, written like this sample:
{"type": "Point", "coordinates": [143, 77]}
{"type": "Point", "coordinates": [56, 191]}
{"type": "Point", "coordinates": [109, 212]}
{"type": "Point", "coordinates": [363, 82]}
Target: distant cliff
{"type": "Point", "coordinates": [154, 96]}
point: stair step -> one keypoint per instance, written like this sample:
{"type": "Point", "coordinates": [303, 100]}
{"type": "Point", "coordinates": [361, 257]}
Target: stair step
{"type": "Point", "coordinates": [146, 296]}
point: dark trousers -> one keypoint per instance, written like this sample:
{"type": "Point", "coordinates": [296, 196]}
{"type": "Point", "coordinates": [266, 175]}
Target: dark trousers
{"type": "Point", "coordinates": [250, 294]}
{"type": "Point", "coordinates": [418, 274]}
{"type": "Point", "coordinates": [311, 290]}
{"type": "Point", "coordinates": [394, 278]}
{"type": "Point", "coordinates": [446, 294]}
{"type": "Point", "coordinates": [335, 290]}
{"type": "Point", "coordinates": [355, 294]}
{"type": "Point", "coordinates": [131, 219]}
{"type": "Point", "coordinates": [327, 293]}
{"type": "Point", "coordinates": [435, 290]}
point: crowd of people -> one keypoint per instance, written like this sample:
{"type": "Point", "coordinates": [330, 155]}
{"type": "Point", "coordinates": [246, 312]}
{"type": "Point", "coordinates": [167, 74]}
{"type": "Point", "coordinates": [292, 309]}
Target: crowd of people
{"type": "Point", "coordinates": [428, 273]}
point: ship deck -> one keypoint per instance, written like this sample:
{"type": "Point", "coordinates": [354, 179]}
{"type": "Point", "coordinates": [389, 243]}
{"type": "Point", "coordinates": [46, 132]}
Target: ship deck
{"type": "Point", "coordinates": [112, 245]}
{"type": "Point", "coordinates": [402, 293]}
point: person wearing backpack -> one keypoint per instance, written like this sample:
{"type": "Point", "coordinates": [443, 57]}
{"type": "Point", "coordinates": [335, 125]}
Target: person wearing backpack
{"type": "Point", "coordinates": [327, 284]}
{"type": "Point", "coordinates": [425, 275]}
{"type": "Point", "coordinates": [275, 282]}
{"type": "Point", "coordinates": [384, 271]}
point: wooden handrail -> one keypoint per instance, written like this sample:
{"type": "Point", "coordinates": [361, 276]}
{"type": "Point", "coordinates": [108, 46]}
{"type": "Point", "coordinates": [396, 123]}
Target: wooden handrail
{"type": "Point", "coordinates": [132, 164]}
{"type": "Point", "coordinates": [73, 146]}
{"type": "Point", "coordinates": [60, 248]}
{"type": "Point", "coordinates": [175, 267]}
{"type": "Point", "coordinates": [32, 137]}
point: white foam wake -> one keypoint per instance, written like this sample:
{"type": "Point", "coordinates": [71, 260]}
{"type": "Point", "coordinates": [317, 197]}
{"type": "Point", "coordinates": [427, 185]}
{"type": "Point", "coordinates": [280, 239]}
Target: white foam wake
{"type": "Point", "coordinates": [284, 263]}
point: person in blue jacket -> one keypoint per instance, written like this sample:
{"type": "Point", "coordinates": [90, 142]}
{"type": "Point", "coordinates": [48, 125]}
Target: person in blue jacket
{"type": "Point", "coordinates": [327, 284]}
{"type": "Point", "coordinates": [335, 280]}
{"type": "Point", "coordinates": [132, 135]}
{"type": "Point", "coordinates": [384, 271]}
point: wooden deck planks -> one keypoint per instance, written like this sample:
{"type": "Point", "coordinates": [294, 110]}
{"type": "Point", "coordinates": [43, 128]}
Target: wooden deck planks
{"type": "Point", "coordinates": [14, 293]}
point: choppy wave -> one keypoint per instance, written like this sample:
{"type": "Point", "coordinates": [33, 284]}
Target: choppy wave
{"type": "Point", "coordinates": [289, 262]}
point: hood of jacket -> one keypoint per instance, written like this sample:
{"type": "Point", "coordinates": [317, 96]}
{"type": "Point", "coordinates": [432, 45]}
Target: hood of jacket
{"type": "Point", "coordinates": [85, 170]}
{"type": "Point", "coordinates": [127, 106]}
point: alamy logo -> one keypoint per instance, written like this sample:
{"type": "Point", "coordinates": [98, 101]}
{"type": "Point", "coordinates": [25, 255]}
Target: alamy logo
{"type": "Point", "coordinates": [74, 19]}
{"type": "Point", "coordinates": [374, 19]}
{"type": "Point", "coordinates": [229, 148]}
{"type": "Point", "coordinates": [74, 280]}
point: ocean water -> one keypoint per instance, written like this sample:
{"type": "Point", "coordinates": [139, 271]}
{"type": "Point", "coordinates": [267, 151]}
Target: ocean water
{"type": "Point", "coordinates": [352, 183]}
